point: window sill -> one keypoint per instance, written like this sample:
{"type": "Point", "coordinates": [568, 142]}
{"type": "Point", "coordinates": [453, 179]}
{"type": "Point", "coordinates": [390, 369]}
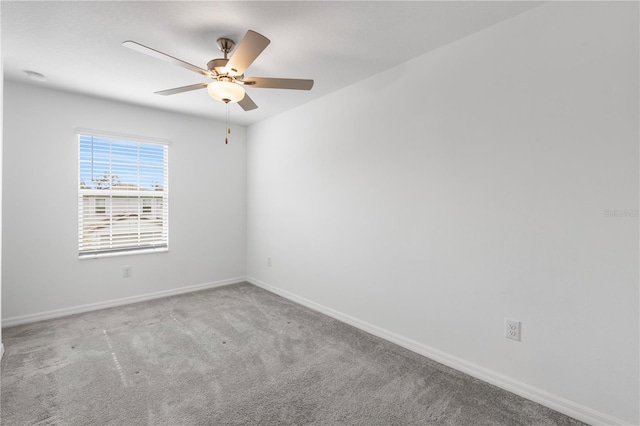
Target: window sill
{"type": "Point", "coordinates": [86, 256]}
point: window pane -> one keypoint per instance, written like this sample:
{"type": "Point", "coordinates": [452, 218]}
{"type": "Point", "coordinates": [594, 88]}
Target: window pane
{"type": "Point", "coordinates": [123, 195]}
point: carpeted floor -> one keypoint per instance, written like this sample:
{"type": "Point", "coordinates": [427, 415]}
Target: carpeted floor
{"type": "Point", "coordinates": [235, 355]}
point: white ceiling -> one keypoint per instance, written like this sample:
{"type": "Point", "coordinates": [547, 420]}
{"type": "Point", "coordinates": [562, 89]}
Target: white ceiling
{"type": "Point", "coordinates": [77, 45]}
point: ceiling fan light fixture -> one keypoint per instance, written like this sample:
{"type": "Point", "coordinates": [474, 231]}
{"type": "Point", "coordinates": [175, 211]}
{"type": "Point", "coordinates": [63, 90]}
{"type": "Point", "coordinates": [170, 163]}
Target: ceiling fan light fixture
{"type": "Point", "coordinates": [225, 91]}
{"type": "Point", "coordinates": [228, 73]}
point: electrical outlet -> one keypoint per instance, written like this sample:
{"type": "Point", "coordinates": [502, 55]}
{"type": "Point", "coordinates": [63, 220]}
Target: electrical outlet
{"type": "Point", "coordinates": [126, 271]}
{"type": "Point", "coordinates": [512, 329]}
{"type": "Point", "coordinates": [268, 261]}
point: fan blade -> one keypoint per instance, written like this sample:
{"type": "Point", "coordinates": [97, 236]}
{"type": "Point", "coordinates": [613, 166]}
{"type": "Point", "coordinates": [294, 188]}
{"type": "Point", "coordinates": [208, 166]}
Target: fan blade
{"type": "Point", "coordinates": [163, 56]}
{"type": "Point", "coordinates": [247, 103]}
{"type": "Point", "coordinates": [247, 51]}
{"type": "Point", "coordinates": [279, 83]}
{"type": "Point", "coordinates": [182, 89]}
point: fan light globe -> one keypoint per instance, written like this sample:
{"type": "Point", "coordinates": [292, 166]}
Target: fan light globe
{"type": "Point", "coordinates": [225, 91]}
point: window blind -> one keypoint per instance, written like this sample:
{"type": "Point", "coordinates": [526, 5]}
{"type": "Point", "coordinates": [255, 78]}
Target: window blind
{"type": "Point", "coordinates": [123, 196]}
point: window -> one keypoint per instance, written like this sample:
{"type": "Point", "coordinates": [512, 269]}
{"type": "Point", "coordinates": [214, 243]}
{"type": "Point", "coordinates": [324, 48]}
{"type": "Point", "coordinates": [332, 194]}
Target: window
{"type": "Point", "coordinates": [122, 196]}
{"type": "Point", "coordinates": [101, 206]}
{"type": "Point", "coordinates": [146, 206]}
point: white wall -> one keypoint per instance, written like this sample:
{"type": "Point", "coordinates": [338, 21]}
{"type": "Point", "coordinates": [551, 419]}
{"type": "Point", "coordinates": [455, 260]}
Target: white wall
{"type": "Point", "coordinates": [207, 180]}
{"type": "Point", "coordinates": [468, 185]}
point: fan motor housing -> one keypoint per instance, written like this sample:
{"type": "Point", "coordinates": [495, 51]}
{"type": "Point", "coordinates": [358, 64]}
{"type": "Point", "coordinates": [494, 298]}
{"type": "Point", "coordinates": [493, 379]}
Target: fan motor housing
{"type": "Point", "coordinates": [217, 65]}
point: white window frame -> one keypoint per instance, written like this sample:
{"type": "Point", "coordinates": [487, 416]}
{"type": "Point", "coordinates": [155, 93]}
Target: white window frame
{"type": "Point", "coordinates": [134, 195]}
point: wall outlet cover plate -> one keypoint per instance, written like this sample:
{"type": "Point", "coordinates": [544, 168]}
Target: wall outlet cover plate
{"type": "Point", "coordinates": [512, 329]}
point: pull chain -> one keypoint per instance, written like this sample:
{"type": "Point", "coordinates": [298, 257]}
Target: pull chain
{"type": "Point", "coordinates": [228, 131]}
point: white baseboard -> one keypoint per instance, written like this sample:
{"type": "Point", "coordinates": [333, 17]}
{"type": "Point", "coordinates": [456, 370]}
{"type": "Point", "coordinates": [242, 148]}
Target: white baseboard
{"type": "Point", "coordinates": [24, 319]}
{"type": "Point", "coordinates": [562, 405]}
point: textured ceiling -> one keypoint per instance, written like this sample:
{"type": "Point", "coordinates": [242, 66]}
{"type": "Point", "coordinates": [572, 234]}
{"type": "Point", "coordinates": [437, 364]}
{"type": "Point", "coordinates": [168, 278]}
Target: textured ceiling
{"type": "Point", "coordinates": [78, 45]}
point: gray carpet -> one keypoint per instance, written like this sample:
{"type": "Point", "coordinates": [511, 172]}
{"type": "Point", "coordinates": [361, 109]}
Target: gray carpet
{"type": "Point", "coordinates": [235, 355]}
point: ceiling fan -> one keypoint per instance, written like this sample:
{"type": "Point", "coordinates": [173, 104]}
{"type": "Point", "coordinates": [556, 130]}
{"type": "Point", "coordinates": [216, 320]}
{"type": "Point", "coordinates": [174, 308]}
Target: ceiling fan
{"type": "Point", "coordinates": [228, 73]}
